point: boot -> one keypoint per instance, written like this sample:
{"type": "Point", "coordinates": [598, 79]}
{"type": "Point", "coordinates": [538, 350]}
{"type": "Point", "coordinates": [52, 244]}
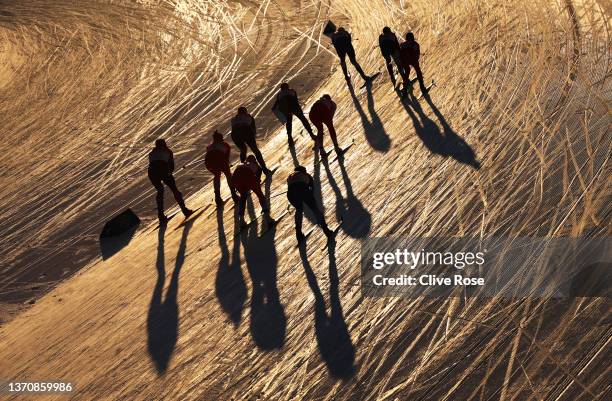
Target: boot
{"type": "Point", "coordinates": [163, 220]}
{"type": "Point", "coordinates": [187, 212]}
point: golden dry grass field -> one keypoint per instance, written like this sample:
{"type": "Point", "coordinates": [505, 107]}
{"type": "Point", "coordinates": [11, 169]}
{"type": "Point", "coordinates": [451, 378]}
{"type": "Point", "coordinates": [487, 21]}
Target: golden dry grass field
{"type": "Point", "coordinates": [85, 88]}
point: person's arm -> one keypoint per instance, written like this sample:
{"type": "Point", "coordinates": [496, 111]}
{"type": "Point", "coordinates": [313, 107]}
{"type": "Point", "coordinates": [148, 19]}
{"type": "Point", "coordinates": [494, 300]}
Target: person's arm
{"type": "Point", "coordinates": [418, 49]}
{"type": "Point", "coordinates": [310, 182]}
{"type": "Point", "coordinates": [253, 127]}
{"type": "Point", "coordinates": [171, 161]}
{"type": "Point", "coordinates": [333, 104]}
{"type": "Point", "coordinates": [275, 102]}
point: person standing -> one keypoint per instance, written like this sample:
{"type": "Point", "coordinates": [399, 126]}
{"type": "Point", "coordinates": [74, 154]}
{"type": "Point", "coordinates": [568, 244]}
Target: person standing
{"type": "Point", "coordinates": [161, 167]}
{"type": "Point", "coordinates": [410, 52]}
{"type": "Point", "coordinates": [390, 50]}
{"type": "Point", "coordinates": [300, 192]}
{"type": "Point", "coordinates": [343, 43]}
{"type": "Point", "coordinates": [322, 112]}
{"type": "Point", "coordinates": [244, 133]}
{"type": "Point", "coordinates": [287, 102]}
{"type": "Point", "coordinates": [246, 178]}
{"type": "Point", "coordinates": [217, 161]}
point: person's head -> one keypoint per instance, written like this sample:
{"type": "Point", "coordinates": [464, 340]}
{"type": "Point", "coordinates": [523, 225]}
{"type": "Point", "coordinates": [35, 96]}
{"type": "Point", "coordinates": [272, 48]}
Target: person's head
{"type": "Point", "coordinates": [326, 97]}
{"type": "Point", "coordinates": [251, 159]}
{"type": "Point", "coordinates": [242, 110]}
{"type": "Point", "coordinates": [410, 36]}
{"type": "Point", "coordinates": [160, 143]}
{"type": "Point", "coordinates": [217, 136]}
{"type": "Point", "coordinates": [284, 86]}
{"type": "Point", "coordinates": [341, 29]}
{"type": "Point", "coordinates": [386, 30]}
{"type": "Point", "coordinates": [300, 169]}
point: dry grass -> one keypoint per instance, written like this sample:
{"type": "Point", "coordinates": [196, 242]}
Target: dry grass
{"type": "Point", "coordinates": [524, 84]}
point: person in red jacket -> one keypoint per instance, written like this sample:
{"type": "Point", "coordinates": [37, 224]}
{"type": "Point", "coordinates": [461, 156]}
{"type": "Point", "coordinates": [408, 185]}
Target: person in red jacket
{"type": "Point", "coordinates": [161, 167]}
{"type": "Point", "coordinates": [287, 103]}
{"type": "Point", "coordinates": [322, 112]}
{"type": "Point", "coordinates": [410, 52]}
{"type": "Point", "coordinates": [217, 162]}
{"type": "Point", "coordinates": [246, 178]}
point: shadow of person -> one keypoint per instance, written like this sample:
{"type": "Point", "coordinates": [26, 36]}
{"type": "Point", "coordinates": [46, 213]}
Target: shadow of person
{"type": "Point", "coordinates": [230, 288]}
{"type": "Point", "coordinates": [333, 338]}
{"type": "Point", "coordinates": [374, 130]}
{"type": "Point", "coordinates": [163, 318]}
{"type": "Point", "coordinates": [356, 220]}
{"type": "Point", "coordinates": [445, 142]}
{"type": "Point", "coordinates": [268, 322]}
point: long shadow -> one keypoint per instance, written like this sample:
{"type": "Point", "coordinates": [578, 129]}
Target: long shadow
{"type": "Point", "coordinates": [230, 287]}
{"type": "Point", "coordinates": [268, 322]}
{"type": "Point", "coordinates": [357, 221]}
{"type": "Point", "coordinates": [374, 130]}
{"type": "Point", "coordinates": [163, 317]}
{"type": "Point", "coordinates": [445, 142]}
{"type": "Point", "coordinates": [333, 337]}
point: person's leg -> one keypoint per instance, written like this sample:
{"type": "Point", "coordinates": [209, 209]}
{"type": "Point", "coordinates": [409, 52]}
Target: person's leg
{"type": "Point", "coordinates": [239, 142]}
{"type": "Point", "coordinates": [230, 183]}
{"type": "Point", "coordinates": [351, 55]}
{"type": "Point", "coordinates": [217, 187]}
{"type": "Point", "coordinates": [159, 197]}
{"type": "Point", "coordinates": [299, 113]}
{"type": "Point", "coordinates": [417, 69]}
{"type": "Point", "coordinates": [342, 56]}
{"type": "Point", "coordinates": [390, 68]}
{"type": "Point", "coordinates": [262, 199]}
{"type": "Point", "coordinates": [299, 217]}
{"type": "Point", "coordinates": [169, 181]}
{"type": "Point", "coordinates": [406, 78]}
{"type": "Point", "coordinates": [289, 125]}
{"type": "Point", "coordinates": [318, 123]}
{"type": "Point", "coordinates": [332, 132]}
{"type": "Point", "coordinates": [310, 201]}
{"type": "Point", "coordinates": [242, 207]}
{"type": "Point", "coordinates": [253, 145]}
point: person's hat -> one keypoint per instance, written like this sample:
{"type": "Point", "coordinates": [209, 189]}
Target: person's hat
{"type": "Point", "coordinates": [242, 109]}
{"type": "Point", "coordinates": [410, 36]}
{"type": "Point", "coordinates": [386, 30]}
{"type": "Point", "coordinates": [160, 143]}
{"type": "Point", "coordinates": [217, 136]}
{"type": "Point", "coordinates": [300, 169]}
{"type": "Point", "coordinates": [251, 159]}
{"type": "Point", "coordinates": [284, 85]}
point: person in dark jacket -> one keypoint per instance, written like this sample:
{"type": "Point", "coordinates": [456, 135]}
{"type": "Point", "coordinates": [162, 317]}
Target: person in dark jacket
{"type": "Point", "coordinates": [244, 133]}
{"type": "Point", "coordinates": [390, 50]}
{"type": "Point", "coordinates": [343, 43]}
{"type": "Point", "coordinates": [217, 162]}
{"type": "Point", "coordinates": [161, 167]}
{"type": "Point", "coordinates": [287, 102]}
{"type": "Point", "coordinates": [300, 192]}
{"type": "Point", "coordinates": [410, 51]}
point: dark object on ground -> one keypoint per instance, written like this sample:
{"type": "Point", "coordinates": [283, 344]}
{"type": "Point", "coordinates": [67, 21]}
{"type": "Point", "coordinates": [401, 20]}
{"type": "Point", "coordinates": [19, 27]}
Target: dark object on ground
{"type": "Point", "coordinates": [117, 233]}
{"type": "Point", "coordinates": [120, 224]}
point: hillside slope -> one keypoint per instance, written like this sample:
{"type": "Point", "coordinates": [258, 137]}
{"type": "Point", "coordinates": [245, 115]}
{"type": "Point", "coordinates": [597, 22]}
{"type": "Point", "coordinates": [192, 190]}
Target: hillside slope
{"type": "Point", "coordinates": [514, 140]}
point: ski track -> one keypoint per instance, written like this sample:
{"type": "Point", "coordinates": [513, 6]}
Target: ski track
{"type": "Point", "coordinates": [524, 84]}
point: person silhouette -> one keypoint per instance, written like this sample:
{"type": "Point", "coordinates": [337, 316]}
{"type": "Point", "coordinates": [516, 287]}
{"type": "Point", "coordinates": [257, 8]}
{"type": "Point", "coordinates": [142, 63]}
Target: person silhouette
{"type": "Point", "coordinates": [246, 179]}
{"type": "Point", "coordinates": [244, 133]}
{"type": "Point", "coordinates": [216, 161]}
{"type": "Point", "coordinates": [161, 167]}
{"type": "Point", "coordinates": [322, 112]}
{"type": "Point", "coordinates": [286, 101]}
{"type": "Point", "coordinates": [300, 191]}
{"type": "Point", "coordinates": [410, 52]}
{"type": "Point", "coordinates": [343, 43]}
{"type": "Point", "coordinates": [390, 50]}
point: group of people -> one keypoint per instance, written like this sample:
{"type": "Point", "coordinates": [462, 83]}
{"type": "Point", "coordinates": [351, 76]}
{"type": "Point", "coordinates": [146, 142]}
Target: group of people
{"type": "Point", "coordinates": [247, 175]}
{"type": "Point", "coordinates": [404, 55]}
